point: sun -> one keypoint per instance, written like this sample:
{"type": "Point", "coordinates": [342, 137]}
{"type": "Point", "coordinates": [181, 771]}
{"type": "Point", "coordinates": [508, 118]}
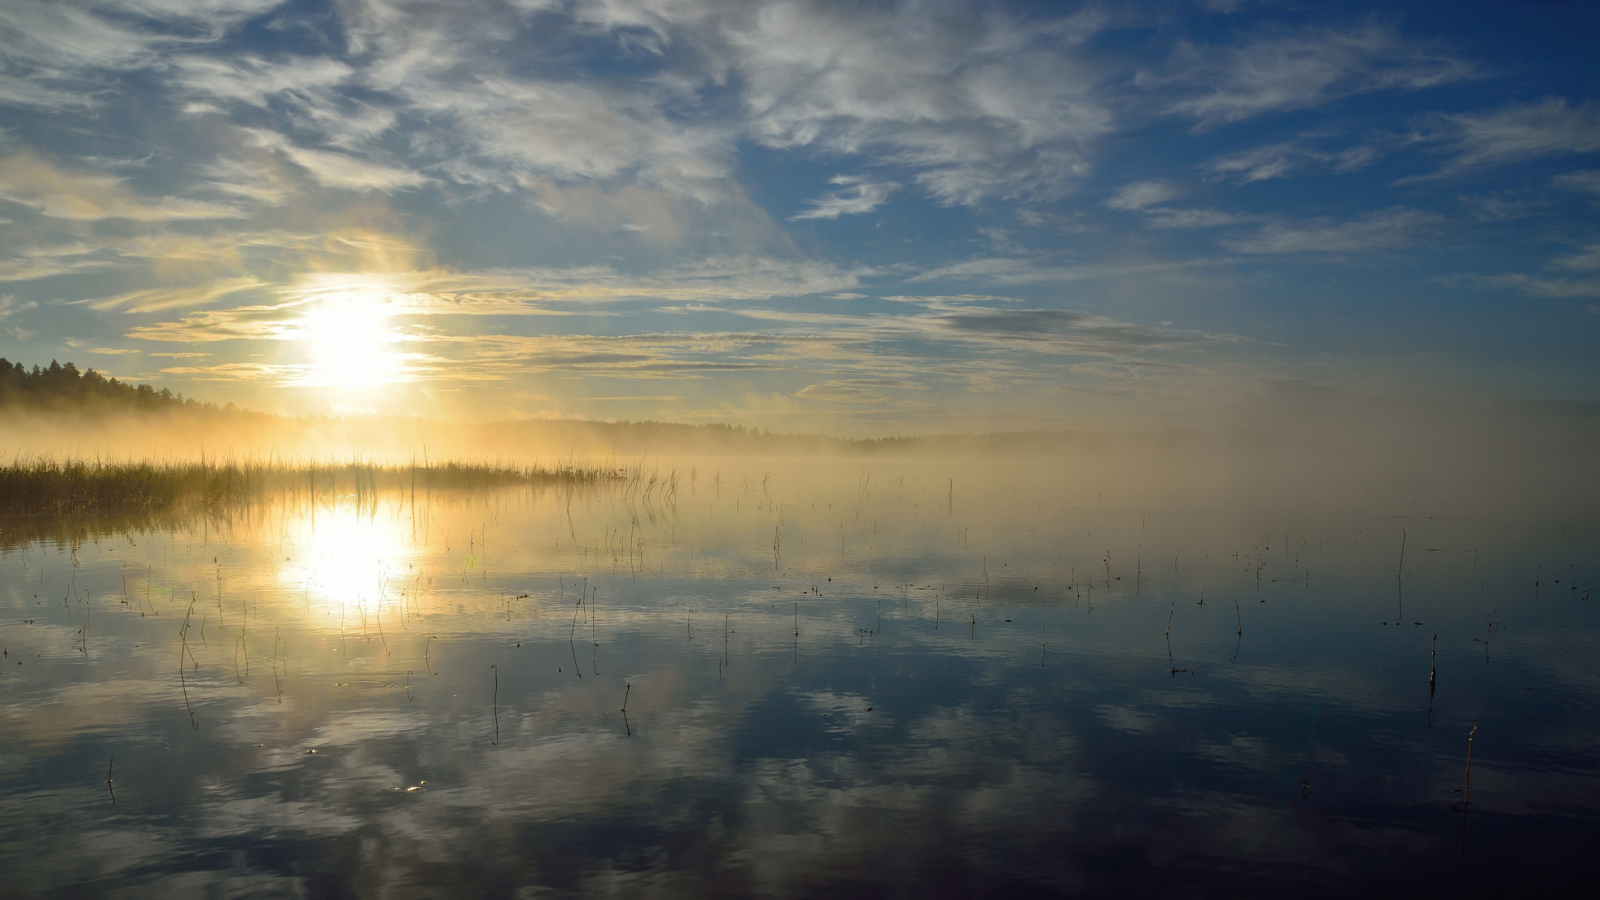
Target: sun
{"type": "Point", "coordinates": [349, 343]}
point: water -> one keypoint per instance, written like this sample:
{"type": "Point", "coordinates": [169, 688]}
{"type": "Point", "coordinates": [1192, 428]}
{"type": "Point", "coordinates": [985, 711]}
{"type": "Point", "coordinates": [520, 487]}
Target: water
{"type": "Point", "coordinates": [874, 679]}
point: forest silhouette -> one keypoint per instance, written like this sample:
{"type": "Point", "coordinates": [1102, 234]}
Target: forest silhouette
{"type": "Point", "coordinates": [66, 385]}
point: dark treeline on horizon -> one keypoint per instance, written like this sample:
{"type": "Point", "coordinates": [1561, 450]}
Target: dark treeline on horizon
{"type": "Point", "coordinates": [67, 385]}
{"type": "Point", "coordinates": [647, 437]}
{"type": "Point", "coordinates": [63, 387]}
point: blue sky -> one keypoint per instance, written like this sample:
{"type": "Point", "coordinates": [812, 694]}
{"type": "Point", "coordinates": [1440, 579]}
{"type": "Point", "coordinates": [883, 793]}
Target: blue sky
{"type": "Point", "coordinates": [860, 217]}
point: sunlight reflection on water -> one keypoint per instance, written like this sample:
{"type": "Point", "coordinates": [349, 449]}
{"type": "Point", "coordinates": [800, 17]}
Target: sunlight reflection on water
{"type": "Point", "coordinates": [811, 682]}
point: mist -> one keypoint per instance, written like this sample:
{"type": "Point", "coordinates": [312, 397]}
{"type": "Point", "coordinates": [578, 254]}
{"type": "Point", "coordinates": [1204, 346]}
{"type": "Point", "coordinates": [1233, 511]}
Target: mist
{"type": "Point", "coordinates": [1322, 445]}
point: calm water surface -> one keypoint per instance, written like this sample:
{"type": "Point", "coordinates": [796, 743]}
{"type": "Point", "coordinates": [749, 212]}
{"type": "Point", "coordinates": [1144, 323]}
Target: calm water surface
{"type": "Point", "coordinates": [876, 679]}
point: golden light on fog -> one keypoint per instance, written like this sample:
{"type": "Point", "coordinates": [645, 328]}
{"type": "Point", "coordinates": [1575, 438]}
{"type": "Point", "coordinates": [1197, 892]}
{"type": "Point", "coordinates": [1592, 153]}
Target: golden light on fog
{"type": "Point", "coordinates": [348, 342]}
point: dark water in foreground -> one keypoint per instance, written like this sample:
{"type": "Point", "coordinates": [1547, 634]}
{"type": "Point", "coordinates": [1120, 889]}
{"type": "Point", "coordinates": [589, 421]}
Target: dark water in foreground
{"type": "Point", "coordinates": [870, 683]}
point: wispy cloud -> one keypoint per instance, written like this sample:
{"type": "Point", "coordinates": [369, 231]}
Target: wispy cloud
{"type": "Point", "coordinates": [45, 261]}
{"type": "Point", "coordinates": [1585, 283]}
{"type": "Point", "coordinates": [1523, 131]}
{"type": "Point", "coordinates": [500, 292]}
{"type": "Point", "coordinates": [856, 196]}
{"type": "Point", "coordinates": [1023, 271]}
{"type": "Point", "coordinates": [1386, 229]}
{"type": "Point", "coordinates": [261, 322]}
{"type": "Point", "coordinates": [1587, 259]}
{"type": "Point", "coordinates": [1539, 286]}
{"type": "Point", "coordinates": [37, 93]}
{"type": "Point", "coordinates": [50, 190]}
{"type": "Point", "coordinates": [866, 391]}
{"type": "Point", "coordinates": [1166, 217]}
{"type": "Point", "coordinates": [1062, 330]}
{"type": "Point", "coordinates": [340, 170]}
{"type": "Point", "coordinates": [304, 82]}
{"type": "Point", "coordinates": [1277, 70]}
{"type": "Point", "coordinates": [56, 54]}
{"type": "Point", "coordinates": [158, 299]}
{"type": "Point", "coordinates": [1140, 194]}
{"type": "Point", "coordinates": [10, 306]}
{"type": "Point", "coordinates": [240, 372]}
{"type": "Point", "coordinates": [979, 104]}
{"type": "Point", "coordinates": [1586, 181]}
{"type": "Point", "coordinates": [1285, 158]}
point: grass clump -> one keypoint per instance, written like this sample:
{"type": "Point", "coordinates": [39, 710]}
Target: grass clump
{"type": "Point", "coordinates": [44, 486]}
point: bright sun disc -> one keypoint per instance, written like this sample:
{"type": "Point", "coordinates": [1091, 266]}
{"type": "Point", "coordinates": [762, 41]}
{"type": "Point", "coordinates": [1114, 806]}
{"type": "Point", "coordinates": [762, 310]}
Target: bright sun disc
{"type": "Point", "coordinates": [349, 343]}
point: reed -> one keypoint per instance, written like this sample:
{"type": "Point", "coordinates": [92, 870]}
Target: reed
{"type": "Point", "coordinates": [46, 486]}
{"type": "Point", "coordinates": [494, 704]}
{"type": "Point", "coordinates": [1433, 675]}
{"type": "Point", "coordinates": [1466, 786]}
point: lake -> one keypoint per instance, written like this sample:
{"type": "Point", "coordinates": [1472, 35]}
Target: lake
{"type": "Point", "coordinates": [796, 678]}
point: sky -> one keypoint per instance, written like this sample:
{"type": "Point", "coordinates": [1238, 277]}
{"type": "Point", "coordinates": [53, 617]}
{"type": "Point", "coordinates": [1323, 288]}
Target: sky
{"type": "Point", "coordinates": [863, 218]}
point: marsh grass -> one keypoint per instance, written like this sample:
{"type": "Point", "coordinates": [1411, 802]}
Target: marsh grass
{"type": "Point", "coordinates": [51, 487]}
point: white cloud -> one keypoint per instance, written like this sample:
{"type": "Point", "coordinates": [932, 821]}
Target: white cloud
{"type": "Point", "coordinates": [1586, 181]}
{"type": "Point", "coordinates": [1279, 70]}
{"type": "Point", "coordinates": [1548, 287]}
{"type": "Point", "coordinates": [867, 391]}
{"type": "Point", "coordinates": [1520, 132]}
{"type": "Point", "coordinates": [1141, 194]}
{"type": "Point", "coordinates": [314, 93]}
{"type": "Point", "coordinates": [857, 196]}
{"type": "Point", "coordinates": [47, 260]}
{"type": "Point", "coordinates": [88, 196]}
{"type": "Point", "coordinates": [948, 302]}
{"type": "Point", "coordinates": [1500, 207]}
{"type": "Point", "coordinates": [248, 179]}
{"type": "Point", "coordinates": [35, 93]}
{"type": "Point", "coordinates": [980, 104]}
{"type": "Point", "coordinates": [1379, 231]}
{"type": "Point", "coordinates": [1020, 271]}
{"type": "Point", "coordinates": [1285, 158]}
{"type": "Point", "coordinates": [254, 81]}
{"type": "Point", "coordinates": [157, 299]}
{"type": "Point", "coordinates": [492, 119]}
{"type": "Point", "coordinates": [340, 170]}
{"type": "Point", "coordinates": [65, 35]}
{"type": "Point", "coordinates": [64, 41]}
{"type": "Point", "coordinates": [1061, 331]}
{"type": "Point", "coordinates": [10, 306]}
{"type": "Point", "coordinates": [1586, 259]}
{"type": "Point", "coordinates": [577, 131]}
{"type": "Point", "coordinates": [1257, 163]}
{"type": "Point", "coordinates": [1164, 217]}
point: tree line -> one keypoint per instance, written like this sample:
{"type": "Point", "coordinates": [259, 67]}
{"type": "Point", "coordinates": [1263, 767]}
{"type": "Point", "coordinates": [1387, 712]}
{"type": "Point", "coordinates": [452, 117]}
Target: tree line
{"type": "Point", "coordinates": [65, 385]}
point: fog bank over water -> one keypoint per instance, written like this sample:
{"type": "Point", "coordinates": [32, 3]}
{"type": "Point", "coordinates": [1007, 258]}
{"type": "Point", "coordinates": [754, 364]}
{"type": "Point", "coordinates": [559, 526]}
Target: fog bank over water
{"type": "Point", "coordinates": [1322, 441]}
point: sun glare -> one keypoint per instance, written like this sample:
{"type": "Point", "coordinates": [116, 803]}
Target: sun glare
{"type": "Point", "coordinates": [346, 557]}
{"type": "Point", "coordinates": [349, 344]}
